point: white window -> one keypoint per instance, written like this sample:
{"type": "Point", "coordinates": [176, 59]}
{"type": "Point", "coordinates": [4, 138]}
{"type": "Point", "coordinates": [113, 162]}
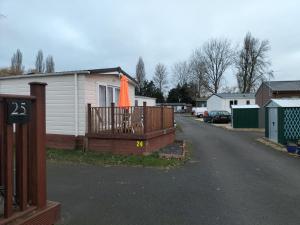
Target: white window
{"type": "Point", "coordinates": [102, 96]}
{"type": "Point", "coordinates": [117, 94]}
{"type": "Point", "coordinates": [108, 95]}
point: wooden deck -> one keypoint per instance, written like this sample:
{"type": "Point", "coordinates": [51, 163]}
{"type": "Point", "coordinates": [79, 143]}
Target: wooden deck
{"type": "Point", "coordinates": [130, 130]}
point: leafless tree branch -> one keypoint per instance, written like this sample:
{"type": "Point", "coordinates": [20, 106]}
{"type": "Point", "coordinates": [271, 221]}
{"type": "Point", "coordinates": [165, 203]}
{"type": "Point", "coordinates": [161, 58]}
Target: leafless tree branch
{"type": "Point", "coordinates": [252, 63]}
{"type": "Point", "coordinates": [160, 77]}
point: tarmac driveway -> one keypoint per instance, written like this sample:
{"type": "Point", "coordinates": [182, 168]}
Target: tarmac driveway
{"type": "Point", "coordinates": [231, 179]}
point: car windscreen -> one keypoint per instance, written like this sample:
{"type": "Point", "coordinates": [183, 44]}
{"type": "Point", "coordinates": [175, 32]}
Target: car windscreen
{"type": "Point", "coordinates": [224, 113]}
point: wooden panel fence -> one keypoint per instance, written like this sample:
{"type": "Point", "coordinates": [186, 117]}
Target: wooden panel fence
{"type": "Point", "coordinates": [23, 156]}
{"type": "Point", "coordinates": [129, 120]}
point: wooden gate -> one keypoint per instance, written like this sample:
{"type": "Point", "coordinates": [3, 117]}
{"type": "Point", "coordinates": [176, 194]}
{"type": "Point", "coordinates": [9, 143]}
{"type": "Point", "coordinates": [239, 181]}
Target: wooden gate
{"type": "Point", "coordinates": [23, 159]}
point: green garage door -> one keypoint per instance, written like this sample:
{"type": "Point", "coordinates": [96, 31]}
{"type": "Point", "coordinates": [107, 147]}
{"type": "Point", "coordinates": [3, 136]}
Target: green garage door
{"type": "Point", "coordinates": [245, 117]}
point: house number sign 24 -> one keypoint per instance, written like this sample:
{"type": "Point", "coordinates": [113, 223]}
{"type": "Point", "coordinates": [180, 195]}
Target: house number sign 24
{"type": "Point", "coordinates": [18, 111]}
{"type": "Point", "coordinates": [139, 144]}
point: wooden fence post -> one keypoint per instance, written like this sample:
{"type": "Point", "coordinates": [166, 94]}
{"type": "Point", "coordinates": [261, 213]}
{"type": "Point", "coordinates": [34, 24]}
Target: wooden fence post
{"type": "Point", "coordinates": [145, 117]}
{"type": "Point", "coordinates": [162, 116]}
{"type": "Point", "coordinates": [112, 117]}
{"type": "Point", "coordinates": [173, 116]}
{"type": "Point", "coordinates": [1, 141]}
{"type": "Point", "coordinates": [8, 169]}
{"type": "Point", "coordinates": [37, 150]}
{"type": "Point", "coordinates": [21, 164]}
{"type": "Point", "coordinates": [89, 112]}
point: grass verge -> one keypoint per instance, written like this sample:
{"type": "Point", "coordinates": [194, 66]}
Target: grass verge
{"type": "Point", "coordinates": [79, 157]}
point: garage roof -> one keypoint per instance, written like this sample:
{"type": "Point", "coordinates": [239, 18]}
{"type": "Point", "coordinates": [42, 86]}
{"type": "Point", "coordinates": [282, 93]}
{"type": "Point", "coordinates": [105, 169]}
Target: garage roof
{"type": "Point", "coordinates": [290, 85]}
{"type": "Point", "coordinates": [285, 103]}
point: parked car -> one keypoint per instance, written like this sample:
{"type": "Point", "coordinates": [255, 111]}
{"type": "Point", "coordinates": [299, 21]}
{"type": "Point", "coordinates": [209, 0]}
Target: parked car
{"type": "Point", "coordinates": [217, 117]}
{"type": "Point", "coordinates": [199, 111]}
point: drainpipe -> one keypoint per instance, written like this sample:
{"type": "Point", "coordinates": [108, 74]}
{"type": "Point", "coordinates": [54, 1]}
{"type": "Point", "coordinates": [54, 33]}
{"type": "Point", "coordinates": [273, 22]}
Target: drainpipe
{"type": "Point", "coordinates": [76, 104]}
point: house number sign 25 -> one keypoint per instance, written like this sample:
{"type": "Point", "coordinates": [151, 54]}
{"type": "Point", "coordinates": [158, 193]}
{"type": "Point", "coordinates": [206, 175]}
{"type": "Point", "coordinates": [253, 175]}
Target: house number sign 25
{"type": "Point", "coordinates": [18, 111]}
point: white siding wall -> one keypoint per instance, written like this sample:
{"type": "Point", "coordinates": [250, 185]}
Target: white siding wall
{"type": "Point", "coordinates": [91, 87]}
{"type": "Point", "coordinates": [226, 103]}
{"type": "Point", "coordinates": [149, 101]}
{"type": "Point", "coordinates": [60, 99]}
{"type": "Point", "coordinates": [214, 103]}
{"type": "Point", "coordinates": [81, 105]}
{"type": "Point", "coordinates": [217, 103]}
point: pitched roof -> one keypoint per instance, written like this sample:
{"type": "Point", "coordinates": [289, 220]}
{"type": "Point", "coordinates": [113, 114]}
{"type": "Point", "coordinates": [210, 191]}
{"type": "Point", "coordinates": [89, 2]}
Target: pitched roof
{"type": "Point", "coordinates": [289, 85]}
{"type": "Point", "coordinates": [287, 102]}
{"type": "Point", "coordinates": [114, 70]}
{"type": "Point", "coordinates": [236, 95]}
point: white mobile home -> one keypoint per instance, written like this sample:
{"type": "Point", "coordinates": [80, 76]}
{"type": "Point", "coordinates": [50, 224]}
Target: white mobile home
{"type": "Point", "coordinates": [139, 101]}
{"type": "Point", "coordinates": [67, 96]}
{"type": "Point", "coordinates": [224, 101]}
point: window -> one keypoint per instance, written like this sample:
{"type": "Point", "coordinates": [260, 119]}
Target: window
{"type": "Point", "coordinates": [107, 95]}
{"type": "Point", "coordinates": [248, 102]}
{"type": "Point", "coordinates": [136, 103]}
{"type": "Point", "coordinates": [110, 97]}
{"type": "Point", "coordinates": [117, 94]}
{"type": "Point", "coordinates": [230, 103]}
{"type": "Point", "coordinates": [102, 96]}
{"type": "Point", "coordinates": [235, 102]}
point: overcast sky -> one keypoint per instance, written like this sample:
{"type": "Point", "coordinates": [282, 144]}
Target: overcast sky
{"type": "Point", "coordinates": [99, 34]}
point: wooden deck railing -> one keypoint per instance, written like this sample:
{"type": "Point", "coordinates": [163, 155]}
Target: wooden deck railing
{"type": "Point", "coordinates": [131, 120]}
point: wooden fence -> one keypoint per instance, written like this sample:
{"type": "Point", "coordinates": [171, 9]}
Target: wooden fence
{"type": "Point", "coordinates": [131, 120]}
{"type": "Point", "coordinates": [23, 159]}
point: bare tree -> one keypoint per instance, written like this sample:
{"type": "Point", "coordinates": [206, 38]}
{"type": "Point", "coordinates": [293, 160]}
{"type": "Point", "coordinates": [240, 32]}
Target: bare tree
{"type": "Point", "coordinates": [140, 72]}
{"type": "Point", "coordinates": [217, 56]}
{"type": "Point", "coordinates": [160, 76]}
{"type": "Point", "coordinates": [39, 62]}
{"type": "Point", "coordinates": [198, 70]}
{"type": "Point", "coordinates": [182, 73]}
{"type": "Point", "coordinates": [230, 89]}
{"type": "Point", "coordinates": [252, 63]}
{"type": "Point", "coordinates": [16, 63]}
{"type": "Point", "coordinates": [50, 65]}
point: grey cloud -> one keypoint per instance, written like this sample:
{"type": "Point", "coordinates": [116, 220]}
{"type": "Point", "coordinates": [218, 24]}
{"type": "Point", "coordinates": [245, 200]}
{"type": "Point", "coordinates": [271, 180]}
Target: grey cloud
{"type": "Point", "coordinates": [95, 34]}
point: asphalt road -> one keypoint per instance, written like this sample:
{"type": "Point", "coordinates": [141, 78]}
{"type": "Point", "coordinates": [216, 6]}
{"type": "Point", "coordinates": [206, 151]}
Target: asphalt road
{"type": "Point", "coordinates": [231, 179]}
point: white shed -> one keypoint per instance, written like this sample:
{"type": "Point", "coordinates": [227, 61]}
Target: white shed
{"type": "Point", "coordinates": [139, 100]}
{"type": "Point", "coordinates": [67, 96]}
{"type": "Point", "coordinates": [224, 101]}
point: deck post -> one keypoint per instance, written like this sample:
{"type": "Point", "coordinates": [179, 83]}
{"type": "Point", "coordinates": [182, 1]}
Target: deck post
{"type": "Point", "coordinates": [37, 151]}
{"type": "Point", "coordinates": [113, 117]}
{"type": "Point", "coordinates": [89, 114]}
{"type": "Point", "coordinates": [162, 116]}
{"type": "Point", "coordinates": [145, 117]}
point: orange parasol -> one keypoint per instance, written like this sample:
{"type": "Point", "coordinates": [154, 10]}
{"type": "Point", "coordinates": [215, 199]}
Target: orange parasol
{"type": "Point", "coordinates": [124, 96]}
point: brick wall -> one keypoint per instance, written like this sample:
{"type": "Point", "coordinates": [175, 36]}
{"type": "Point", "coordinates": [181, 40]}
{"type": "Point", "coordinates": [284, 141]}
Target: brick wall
{"type": "Point", "coordinates": [126, 146]}
{"type": "Point", "coordinates": [59, 141]}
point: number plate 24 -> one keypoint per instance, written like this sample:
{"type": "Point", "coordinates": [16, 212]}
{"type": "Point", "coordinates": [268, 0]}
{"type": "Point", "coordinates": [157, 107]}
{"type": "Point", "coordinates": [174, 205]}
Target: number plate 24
{"type": "Point", "coordinates": [18, 111]}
